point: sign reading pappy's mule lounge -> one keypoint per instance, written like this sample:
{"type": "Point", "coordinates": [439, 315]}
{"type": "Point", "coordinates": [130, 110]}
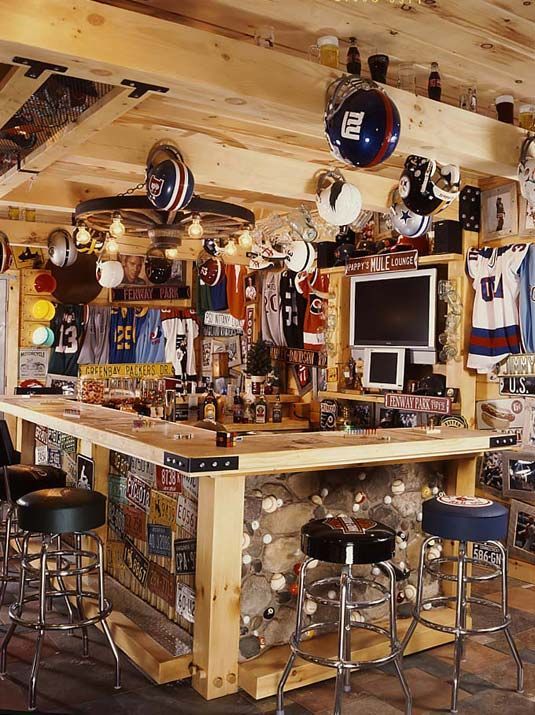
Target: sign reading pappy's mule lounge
{"type": "Point", "coordinates": [382, 263]}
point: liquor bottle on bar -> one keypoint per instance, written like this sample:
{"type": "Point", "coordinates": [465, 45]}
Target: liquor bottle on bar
{"type": "Point", "coordinates": [209, 405]}
{"type": "Point", "coordinates": [248, 410]}
{"type": "Point", "coordinates": [276, 414]}
{"type": "Point", "coordinates": [434, 84]}
{"type": "Point", "coordinates": [237, 407]}
{"type": "Point", "coordinates": [353, 63]}
{"type": "Point", "coordinates": [260, 409]}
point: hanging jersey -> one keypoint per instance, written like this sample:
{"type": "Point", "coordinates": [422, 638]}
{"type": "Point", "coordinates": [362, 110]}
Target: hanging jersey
{"type": "Point", "coordinates": [271, 322]}
{"type": "Point", "coordinates": [218, 294]}
{"type": "Point", "coordinates": [236, 290]}
{"type": "Point", "coordinates": [527, 301]}
{"type": "Point", "coordinates": [122, 335]}
{"type": "Point", "coordinates": [180, 334]}
{"type": "Point", "coordinates": [315, 288]}
{"type": "Point", "coordinates": [203, 298]}
{"type": "Point", "coordinates": [96, 346]}
{"type": "Point", "coordinates": [67, 328]}
{"type": "Point", "coordinates": [293, 306]}
{"type": "Point", "coordinates": [150, 343]}
{"type": "Point", "coordinates": [495, 320]}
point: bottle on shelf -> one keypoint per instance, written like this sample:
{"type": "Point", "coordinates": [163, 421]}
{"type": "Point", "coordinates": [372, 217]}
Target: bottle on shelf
{"type": "Point", "coordinates": [434, 84]}
{"type": "Point", "coordinates": [209, 405]}
{"type": "Point", "coordinates": [276, 413]}
{"type": "Point", "coordinates": [248, 411]}
{"type": "Point", "coordinates": [472, 98]}
{"type": "Point", "coordinates": [353, 63]}
{"type": "Point", "coordinates": [260, 408]}
{"type": "Point", "coordinates": [237, 407]}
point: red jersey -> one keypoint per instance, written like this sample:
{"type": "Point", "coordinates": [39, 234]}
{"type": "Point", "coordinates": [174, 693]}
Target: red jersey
{"type": "Point", "coordinates": [315, 288]}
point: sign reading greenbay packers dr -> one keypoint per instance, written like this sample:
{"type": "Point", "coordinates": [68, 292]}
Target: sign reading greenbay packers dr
{"type": "Point", "coordinates": [105, 371]}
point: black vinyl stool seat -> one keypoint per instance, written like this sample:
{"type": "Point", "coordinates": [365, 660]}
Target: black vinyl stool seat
{"type": "Point", "coordinates": [61, 511]}
{"type": "Point", "coordinates": [348, 541]}
{"type": "Point", "coordinates": [61, 570]}
{"type": "Point", "coordinates": [464, 520]}
{"type": "Point", "coordinates": [17, 480]}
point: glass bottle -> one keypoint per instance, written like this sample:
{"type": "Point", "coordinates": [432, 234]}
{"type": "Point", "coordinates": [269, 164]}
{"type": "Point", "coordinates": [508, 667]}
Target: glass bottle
{"type": "Point", "coordinates": [472, 98]}
{"type": "Point", "coordinates": [277, 409]}
{"type": "Point", "coordinates": [434, 84]}
{"type": "Point", "coordinates": [353, 62]}
{"type": "Point", "coordinates": [209, 405]}
{"type": "Point", "coordinates": [260, 409]}
{"type": "Point", "coordinates": [237, 407]}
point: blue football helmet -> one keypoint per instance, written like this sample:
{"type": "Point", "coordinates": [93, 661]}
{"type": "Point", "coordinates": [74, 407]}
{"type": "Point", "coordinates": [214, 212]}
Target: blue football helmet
{"type": "Point", "coordinates": [362, 123]}
{"type": "Point", "coordinates": [170, 183]}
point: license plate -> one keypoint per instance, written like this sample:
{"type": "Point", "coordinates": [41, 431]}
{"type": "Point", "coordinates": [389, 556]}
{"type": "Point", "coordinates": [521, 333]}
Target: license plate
{"type": "Point", "coordinates": [168, 480]}
{"type": "Point", "coordinates": [135, 562]}
{"type": "Point", "coordinates": [185, 602]}
{"type": "Point", "coordinates": [117, 489]}
{"type": "Point", "coordinates": [135, 523]}
{"type": "Point", "coordinates": [138, 492]}
{"type": "Point", "coordinates": [190, 486]}
{"type": "Point", "coordinates": [162, 583]}
{"type": "Point", "coordinates": [185, 556]}
{"type": "Point", "coordinates": [162, 509]}
{"type": "Point", "coordinates": [488, 554]}
{"type": "Point", "coordinates": [186, 514]}
{"type": "Point", "coordinates": [160, 540]}
{"type": "Point", "coordinates": [116, 518]}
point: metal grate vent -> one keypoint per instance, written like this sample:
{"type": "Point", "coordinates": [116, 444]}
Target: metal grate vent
{"type": "Point", "coordinates": [59, 101]}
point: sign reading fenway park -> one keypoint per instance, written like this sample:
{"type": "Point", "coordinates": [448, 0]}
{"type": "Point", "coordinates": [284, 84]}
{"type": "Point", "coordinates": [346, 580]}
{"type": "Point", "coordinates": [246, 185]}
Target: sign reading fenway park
{"type": "Point", "coordinates": [143, 294]}
{"type": "Point", "coordinates": [418, 403]}
{"type": "Point", "coordinates": [382, 263]}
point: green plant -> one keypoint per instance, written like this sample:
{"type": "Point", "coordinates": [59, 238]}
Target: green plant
{"type": "Point", "coordinates": [259, 358]}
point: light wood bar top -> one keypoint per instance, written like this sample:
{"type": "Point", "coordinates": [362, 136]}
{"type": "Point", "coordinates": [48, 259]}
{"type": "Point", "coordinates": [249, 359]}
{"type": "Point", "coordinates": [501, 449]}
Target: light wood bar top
{"type": "Point", "coordinates": [256, 454]}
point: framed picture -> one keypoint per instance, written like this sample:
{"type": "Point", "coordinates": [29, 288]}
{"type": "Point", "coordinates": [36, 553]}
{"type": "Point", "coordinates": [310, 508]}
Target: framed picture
{"type": "Point", "coordinates": [490, 476]}
{"type": "Point", "coordinates": [519, 476]}
{"type": "Point", "coordinates": [499, 208]}
{"type": "Point", "coordinates": [501, 414]}
{"type": "Point", "coordinates": [528, 428]}
{"type": "Point", "coordinates": [521, 535]}
{"type": "Point", "coordinates": [136, 287]}
{"type": "Point", "coordinates": [526, 218]}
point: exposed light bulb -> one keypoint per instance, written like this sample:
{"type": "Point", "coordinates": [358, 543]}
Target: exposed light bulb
{"type": "Point", "coordinates": [245, 239]}
{"type": "Point", "coordinates": [231, 248]}
{"type": "Point", "coordinates": [195, 229]}
{"type": "Point", "coordinates": [171, 253]}
{"type": "Point", "coordinates": [112, 245]}
{"type": "Point", "coordinates": [83, 236]}
{"type": "Point", "coordinates": [117, 229]}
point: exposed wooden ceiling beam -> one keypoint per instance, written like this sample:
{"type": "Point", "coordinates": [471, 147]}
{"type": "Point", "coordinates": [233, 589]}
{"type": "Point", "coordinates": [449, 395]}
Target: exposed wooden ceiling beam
{"type": "Point", "coordinates": [261, 85]}
{"type": "Point", "coordinates": [15, 89]}
{"type": "Point", "coordinates": [111, 106]}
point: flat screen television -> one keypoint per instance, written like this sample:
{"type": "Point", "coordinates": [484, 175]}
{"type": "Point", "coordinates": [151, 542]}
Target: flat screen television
{"type": "Point", "coordinates": [394, 309]}
{"type": "Point", "coordinates": [384, 368]}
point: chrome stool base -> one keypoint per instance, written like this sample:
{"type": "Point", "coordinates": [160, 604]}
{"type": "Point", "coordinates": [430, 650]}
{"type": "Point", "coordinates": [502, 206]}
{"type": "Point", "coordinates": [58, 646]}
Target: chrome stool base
{"type": "Point", "coordinates": [343, 663]}
{"type": "Point", "coordinates": [462, 603]}
{"type": "Point", "coordinates": [67, 564]}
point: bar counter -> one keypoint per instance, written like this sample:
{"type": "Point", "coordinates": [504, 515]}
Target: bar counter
{"type": "Point", "coordinates": [232, 484]}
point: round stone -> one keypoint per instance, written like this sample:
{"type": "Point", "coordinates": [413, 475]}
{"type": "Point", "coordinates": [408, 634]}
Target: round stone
{"type": "Point", "coordinates": [246, 620]}
{"type": "Point", "coordinates": [278, 582]}
{"type": "Point", "coordinates": [249, 646]}
{"type": "Point", "coordinates": [410, 592]}
{"type": "Point", "coordinates": [269, 504]}
{"type": "Point", "coordinates": [316, 499]}
{"type": "Point", "coordinates": [356, 507]}
{"type": "Point", "coordinates": [310, 607]}
{"type": "Point", "coordinates": [245, 540]}
{"type": "Point", "coordinates": [331, 595]}
{"type": "Point", "coordinates": [376, 571]}
{"type": "Point", "coordinates": [324, 492]}
{"type": "Point", "coordinates": [255, 525]}
{"type": "Point", "coordinates": [387, 499]}
{"type": "Point", "coordinates": [267, 538]}
{"type": "Point", "coordinates": [246, 560]}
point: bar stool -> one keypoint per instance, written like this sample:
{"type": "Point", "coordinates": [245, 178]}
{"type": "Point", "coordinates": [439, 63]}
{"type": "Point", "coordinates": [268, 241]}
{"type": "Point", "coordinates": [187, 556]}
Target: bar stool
{"type": "Point", "coordinates": [50, 513]}
{"type": "Point", "coordinates": [348, 541]}
{"type": "Point", "coordinates": [464, 520]}
{"type": "Point", "coordinates": [17, 481]}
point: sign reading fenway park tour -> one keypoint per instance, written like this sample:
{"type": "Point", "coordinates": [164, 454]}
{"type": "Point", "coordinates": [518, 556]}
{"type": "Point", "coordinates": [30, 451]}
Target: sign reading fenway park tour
{"type": "Point", "coordinates": [136, 562]}
{"type": "Point", "coordinates": [297, 356]}
{"type": "Point", "coordinates": [382, 263]}
{"type": "Point", "coordinates": [138, 492]}
{"type": "Point", "coordinates": [144, 294]}
{"type": "Point", "coordinates": [160, 540]}
{"type": "Point", "coordinates": [168, 480]}
{"type": "Point", "coordinates": [516, 385]}
{"type": "Point", "coordinates": [418, 403]}
{"type": "Point", "coordinates": [162, 583]}
{"type": "Point", "coordinates": [185, 555]}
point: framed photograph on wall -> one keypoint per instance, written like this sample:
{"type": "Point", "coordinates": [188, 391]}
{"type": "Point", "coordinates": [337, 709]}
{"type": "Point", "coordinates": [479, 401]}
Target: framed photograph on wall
{"type": "Point", "coordinates": [526, 218]}
{"type": "Point", "coordinates": [528, 428]}
{"type": "Point", "coordinates": [519, 476]}
{"type": "Point", "coordinates": [490, 475]}
{"type": "Point", "coordinates": [499, 208]}
{"type": "Point", "coordinates": [521, 535]}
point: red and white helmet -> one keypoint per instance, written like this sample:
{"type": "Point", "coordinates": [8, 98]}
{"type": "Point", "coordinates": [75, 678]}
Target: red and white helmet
{"type": "Point", "coordinates": [210, 271]}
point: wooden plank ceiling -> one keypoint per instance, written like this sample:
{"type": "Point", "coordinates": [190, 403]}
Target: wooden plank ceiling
{"type": "Point", "coordinates": [249, 120]}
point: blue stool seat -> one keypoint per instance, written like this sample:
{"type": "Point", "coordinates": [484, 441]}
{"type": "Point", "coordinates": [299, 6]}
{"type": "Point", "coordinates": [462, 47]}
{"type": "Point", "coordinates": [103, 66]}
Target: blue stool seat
{"type": "Point", "coordinates": [465, 518]}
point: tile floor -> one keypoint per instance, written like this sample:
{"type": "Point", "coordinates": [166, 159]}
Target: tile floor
{"type": "Point", "coordinates": [70, 684]}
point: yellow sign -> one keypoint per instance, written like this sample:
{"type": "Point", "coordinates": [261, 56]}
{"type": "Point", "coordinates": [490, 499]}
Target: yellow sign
{"type": "Point", "coordinates": [104, 372]}
{"type": "Point", "coordinates": [162, 509]}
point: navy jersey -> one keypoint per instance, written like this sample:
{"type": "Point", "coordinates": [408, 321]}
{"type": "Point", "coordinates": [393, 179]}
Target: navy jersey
{"type": "Point", "coordinates": [218, 294]}
{"type": "Point", "coordinates": [67, 326]}
{"type": "Point", "coordinates": [150, 344]}
{"type": "Point", "coordinates": [122, 335]}
{"type": "Point", "coordinates": [293, 307]}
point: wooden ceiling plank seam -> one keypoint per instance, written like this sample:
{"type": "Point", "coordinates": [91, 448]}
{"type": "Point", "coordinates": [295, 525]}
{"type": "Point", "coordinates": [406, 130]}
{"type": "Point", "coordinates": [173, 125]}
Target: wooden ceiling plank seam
{"type": "Point", "coordinates": [15, 89]}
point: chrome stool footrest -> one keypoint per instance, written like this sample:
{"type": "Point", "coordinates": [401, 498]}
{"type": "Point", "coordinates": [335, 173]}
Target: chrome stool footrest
{"type": "Point", "coordinates": [16, 609]}
{"type": "Point", "coordinates": [351, 605]}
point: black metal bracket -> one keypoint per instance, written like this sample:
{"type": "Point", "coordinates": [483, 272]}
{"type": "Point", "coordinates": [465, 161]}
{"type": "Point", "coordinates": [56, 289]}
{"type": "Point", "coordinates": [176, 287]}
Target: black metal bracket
{"type": "Point", "coordinates": [24, 171]}
{"type": "Point", "coordinates": [470, 208]}
{"type": "Point", "coordinates": [141, 88]}
{"type": "Point", "coordinates": [505, 440]}
{"type": "Point", "coordinates": [36, 67]}
{"type": "Point", "coordinates": [200, 465]}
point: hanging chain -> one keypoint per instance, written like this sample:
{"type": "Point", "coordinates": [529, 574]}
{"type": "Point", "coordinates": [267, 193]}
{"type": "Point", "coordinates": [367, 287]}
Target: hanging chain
{"type": "Point", "coordinates": [132, 189]}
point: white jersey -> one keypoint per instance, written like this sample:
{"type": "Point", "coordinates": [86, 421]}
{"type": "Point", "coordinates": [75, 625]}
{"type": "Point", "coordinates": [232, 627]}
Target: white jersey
{"type": "Point", "coordinates": [272, 329]}
{"type": "Point", "coordinates": [495, 320]}
{"type": "Point", "coordinates": [96, 345]}
{"type": "Point", "coordinates": [180, 334]}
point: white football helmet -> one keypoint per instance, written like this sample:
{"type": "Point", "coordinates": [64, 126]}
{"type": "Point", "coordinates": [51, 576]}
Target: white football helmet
{"type": "Point", "coordinates": [526, 171]}
{"type": "Point", "coordinates": [338, 202]}
{"type": "Point", "coordinates": [405, 221]}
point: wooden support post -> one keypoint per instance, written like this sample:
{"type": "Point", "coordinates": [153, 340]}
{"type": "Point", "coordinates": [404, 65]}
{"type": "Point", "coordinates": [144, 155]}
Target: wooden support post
{"type": "Point", "coordinates": [27, 442]}
{"type": "Point", "coordinates": [101, 457]}
{"type": "Point", "coordinates": [218, 583]}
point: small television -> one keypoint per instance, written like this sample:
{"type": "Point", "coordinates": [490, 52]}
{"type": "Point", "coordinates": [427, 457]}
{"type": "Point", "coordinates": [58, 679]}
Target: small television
{"type": "Point", "coordinates": [394, 310]}
{"type": "Point", "coordinates": [384, 368]}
